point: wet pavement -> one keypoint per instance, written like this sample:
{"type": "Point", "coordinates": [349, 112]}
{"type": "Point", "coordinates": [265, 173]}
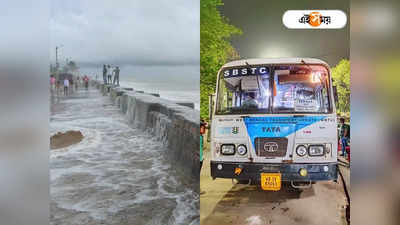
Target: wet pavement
{"type": "Point", "coordinates": [223, 202]}
{"type": "Point", "coordinates": [117, 174]}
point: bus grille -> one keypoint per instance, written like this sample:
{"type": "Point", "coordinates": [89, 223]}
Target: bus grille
{"type": "Point", "coordinates": [271, 147]}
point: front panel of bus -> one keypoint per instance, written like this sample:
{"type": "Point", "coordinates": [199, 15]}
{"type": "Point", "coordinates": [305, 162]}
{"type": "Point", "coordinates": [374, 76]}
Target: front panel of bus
{"type": "Point", "coordinates": [274, 118]}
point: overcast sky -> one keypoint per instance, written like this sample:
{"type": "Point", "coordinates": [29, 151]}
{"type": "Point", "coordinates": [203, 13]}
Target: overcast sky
{"type": "Point", "coordinates": [126, 32]}
{"type": "Point", "coordinates": [264, 34]}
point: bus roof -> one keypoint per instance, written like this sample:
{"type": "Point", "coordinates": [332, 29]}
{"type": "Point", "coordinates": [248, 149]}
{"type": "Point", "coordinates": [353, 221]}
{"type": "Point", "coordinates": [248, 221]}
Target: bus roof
{"type": "Point", "coordinates": [258, 61]}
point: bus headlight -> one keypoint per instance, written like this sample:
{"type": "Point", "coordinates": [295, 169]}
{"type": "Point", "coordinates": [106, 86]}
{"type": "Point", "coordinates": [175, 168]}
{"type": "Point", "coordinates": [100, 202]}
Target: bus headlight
{"type": "Point", "coordinates": [228, 149]}
{"type": "Point", "coordinates": [316, 150]}
{"type": "Point", "coordinates": [241, 150]}
{"type": "Point", "coordinates": [301, 150]}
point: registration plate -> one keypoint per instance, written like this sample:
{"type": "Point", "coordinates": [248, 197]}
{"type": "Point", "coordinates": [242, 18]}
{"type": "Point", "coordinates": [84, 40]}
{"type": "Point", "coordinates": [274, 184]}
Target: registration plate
{"type": "Point", "coordinates": [271, 181]}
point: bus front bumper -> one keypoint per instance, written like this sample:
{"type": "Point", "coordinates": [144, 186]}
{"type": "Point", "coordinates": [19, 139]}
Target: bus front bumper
{"type": "Point", "coordinates": [289, 172]}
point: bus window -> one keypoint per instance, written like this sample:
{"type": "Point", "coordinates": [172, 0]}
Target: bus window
{"type": "Point", "coordinates": [295, 89]}
{"type": "Point", "coordinates": [247, 94]}
{"type": "Point", "coordinates": [301, 89]}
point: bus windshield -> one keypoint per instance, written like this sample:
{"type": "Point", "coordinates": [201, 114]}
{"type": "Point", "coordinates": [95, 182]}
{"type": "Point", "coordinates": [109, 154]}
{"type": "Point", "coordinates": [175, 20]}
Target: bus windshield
{"type": "Point", "coordinates": [274, 89]}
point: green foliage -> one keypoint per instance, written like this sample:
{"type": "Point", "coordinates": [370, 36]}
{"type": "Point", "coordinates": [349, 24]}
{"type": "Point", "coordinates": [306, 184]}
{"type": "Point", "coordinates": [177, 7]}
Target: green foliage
{"type": "Point", "coordinates": [215, 48]}
{"type": "Point", "coordinates": [341, 79]}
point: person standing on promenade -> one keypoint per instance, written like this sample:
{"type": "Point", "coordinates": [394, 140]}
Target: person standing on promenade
{"type": "Point", "coordinates": [66, 85]}
{"type": "Point", "coordinates": [52, 84]}
{"type": "Point", "coordinates": [104, 74]}
{"type": "Point", "coordinates": [71, 85]}
{"type": "Point", "coordinates": [76, 80]}
{"type": "Point", "coordinates": [110, 72]}
{"type": "Point", "coordinates": [116, 75]}
{"type": "Point", "coordinates": [58, 87]}
{"type": "Point", "coordinates": [86, 81]}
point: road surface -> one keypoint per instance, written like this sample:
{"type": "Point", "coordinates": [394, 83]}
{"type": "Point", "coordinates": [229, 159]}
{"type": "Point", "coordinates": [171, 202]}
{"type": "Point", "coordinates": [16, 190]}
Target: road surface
{"type": "Point", "coordinates": [224, 203]}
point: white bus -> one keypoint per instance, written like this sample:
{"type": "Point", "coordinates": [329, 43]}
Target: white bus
{"type": "Point", "coordinates": [274, 121]}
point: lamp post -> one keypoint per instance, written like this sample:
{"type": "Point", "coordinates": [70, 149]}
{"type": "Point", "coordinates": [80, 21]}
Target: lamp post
{"type": "Point", "coordinates": [57, 65]}
{"type": "Point", "coordinates": [57, 47]}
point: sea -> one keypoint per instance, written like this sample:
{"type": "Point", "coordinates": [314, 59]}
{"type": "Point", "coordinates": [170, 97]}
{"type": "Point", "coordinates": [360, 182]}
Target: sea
{"type": "Point", "coordinates": [172, 82]}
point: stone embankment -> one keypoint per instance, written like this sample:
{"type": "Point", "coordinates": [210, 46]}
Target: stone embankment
{"type": "Point", "coordinates": [176, 124]}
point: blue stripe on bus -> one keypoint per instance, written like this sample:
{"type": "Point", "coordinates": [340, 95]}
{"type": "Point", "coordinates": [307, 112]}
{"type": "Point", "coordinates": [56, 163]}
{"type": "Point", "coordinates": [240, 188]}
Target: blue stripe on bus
{"type": "Point", "coordinates": [277, 126]}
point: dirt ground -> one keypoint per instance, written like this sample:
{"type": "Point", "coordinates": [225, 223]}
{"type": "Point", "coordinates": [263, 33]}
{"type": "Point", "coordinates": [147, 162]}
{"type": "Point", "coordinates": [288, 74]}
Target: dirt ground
{"type": "Point", "coordinates": [62, 140]}
{"type": "Point", "coordinates": [224, 203]}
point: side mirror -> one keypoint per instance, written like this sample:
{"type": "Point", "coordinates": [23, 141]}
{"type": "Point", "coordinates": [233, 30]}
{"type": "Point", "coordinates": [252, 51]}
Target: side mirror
{"type": "Point", "coordinates": [335, 95]}
{"type": "Point", "coordinates": [210, 113]}
{"type": "Point", "coordinates": [210, 106]}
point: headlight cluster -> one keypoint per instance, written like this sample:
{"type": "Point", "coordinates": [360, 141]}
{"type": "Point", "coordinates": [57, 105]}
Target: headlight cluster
{"type": "Point", "coordinates": [230, 149]}
{"type": "Point", "coordinates": [316, 150]}
{"type": "Point", "coordinates": [301, 150]}
{"type": "Point", "coordinates": [312, 150]}
{"type": "Point", "coordinates": [241, 149]}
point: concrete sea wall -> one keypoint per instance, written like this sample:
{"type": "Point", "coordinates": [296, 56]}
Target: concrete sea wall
{"type": "Point", "coordinates": [176, 124]}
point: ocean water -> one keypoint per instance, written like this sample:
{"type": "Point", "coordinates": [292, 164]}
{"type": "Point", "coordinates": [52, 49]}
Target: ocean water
{"type": "Point", "coordinates": [169, 92]}
{"type": "Point", "coordinates": [172, 82]}
{"type": "Point", "coordinates": [118, 174]}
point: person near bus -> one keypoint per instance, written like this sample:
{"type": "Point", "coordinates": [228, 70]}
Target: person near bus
{"type": "Point", "coordinates": [105, 74]}
{"type": "Point", "coordinates": [66, 86]}
{"type": "Point", "coordinates": [203, 126]}
{"type": "Point", "coordinates": [116, 75]}
{"type": "Point", "coordinates": [344, 135]}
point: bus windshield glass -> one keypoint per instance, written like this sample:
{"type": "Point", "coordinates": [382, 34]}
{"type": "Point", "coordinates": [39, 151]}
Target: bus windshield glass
{"type": "Point", "coordinates": [274, 89]}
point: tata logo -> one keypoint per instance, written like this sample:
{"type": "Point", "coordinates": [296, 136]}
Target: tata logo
{"type": "Point", "coordinates": [271, 147]}
{"type": "Point", "coordinates": [271, 129]}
